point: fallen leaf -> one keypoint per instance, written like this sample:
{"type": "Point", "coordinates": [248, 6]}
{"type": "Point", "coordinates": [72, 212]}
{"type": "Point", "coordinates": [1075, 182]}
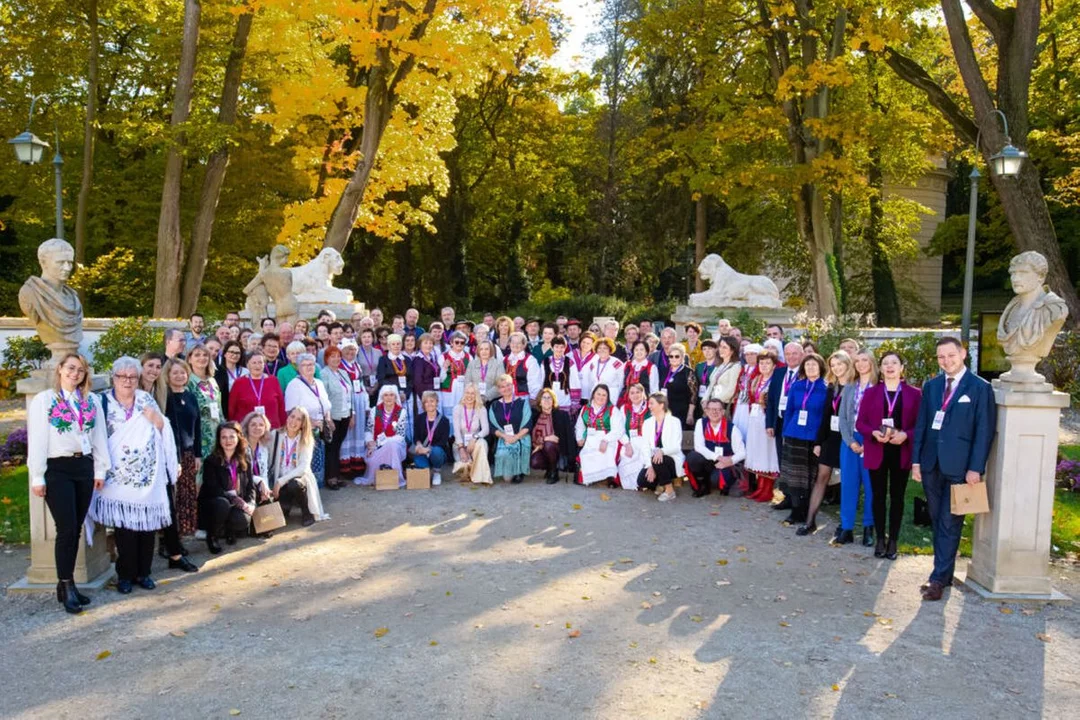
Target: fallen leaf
{"type": "Point", "coordinates": [891, 695]}
{"type": "Point", "coordinates": [848, 581]}
{"type": "Point", "coordinates": [721, 562]}
{"type": "Point", "coordinates": [652, 661]}
{"type": "Point", "coordinates": [566, 524]}
{"type": "Point", "coordinates": [433, 643]}
{"type": "Point", "coordinates": [1005, 610]}
{"type": "Point", "coordinates": [574, 634]}
{"type": "Point", "coordinates": [656, 593]}
{"type": "Point", "coordinates": [625, 561]}
{"type": "Point", "coordinates": [646, 605]}
{"type": "Point", "coordinates": [605, 497]}
{"type": "Point", "coordinates": [1043, 636]}
{"type": "Point", "coordinates": [569, 625]}
{"type": "Point", "coordinates": [178, 633]}
{"type": "Point", "coordinates": [576, 506]}
{"type": "Point", "coordinates": [744, 560]}
{"type": "Point", "coordinates": [784, 624]}
{"type": "Point", "coordinates": [740, 548]}
{"type": "Point", "coordinates": [695, 618]}
{"type": "Point", "coordinates": [586, 597]}
{"type": "Point", "coordinates": [884, 621]}
{"type": "Point", "coordinates": [633, 645]}
{"type": "Point", "coordinates": [835, 688]}
{"type": "Point", "coordinates": [234, 712]}
{"type": "Point", "coordinates": [380, 632]}
{"type": "Point", "coordinates": [867, 613]}
{"type": "Point", "coordinates": [103, 654]}
{"type": "Point", "coordinates": [448, 593]}
{"type": "Point", "coordinates": [241, 578]}
{"type": "Point", "coordinates": [434, 574]}
{"type": "Point", "coordinates": [215, 607]}
{"type": "Point", "coordinates": [714, 513]}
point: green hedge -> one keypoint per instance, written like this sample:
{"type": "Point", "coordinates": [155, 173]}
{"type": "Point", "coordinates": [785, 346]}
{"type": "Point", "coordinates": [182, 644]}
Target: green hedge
{"type": "Point", "coordinates": [129, 336]}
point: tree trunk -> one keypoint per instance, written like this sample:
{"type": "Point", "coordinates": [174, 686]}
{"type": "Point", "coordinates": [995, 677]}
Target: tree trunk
{"type": "Point", "coordinates": [215, 170]}
{"type": "Point", "coordinates": [170, 251]}
{"type": "Point", "coordinates": [701, 233]}
{"type": "Point", "coordinates": [89, 133]}
{"type": "Point", "coordinates": [886, 303]}
{"type": "Point", "coordinates": [813, 227]}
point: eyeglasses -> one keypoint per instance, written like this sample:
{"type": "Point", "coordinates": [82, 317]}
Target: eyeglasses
{"type": "Point", "coordinates": [674, 357]}
{"type": "Point", "coordinates": [126, 378]}
{"type": "Point", "coordinates": [459, 342]}
{"type": "Point", "coordinates": [234, 351]}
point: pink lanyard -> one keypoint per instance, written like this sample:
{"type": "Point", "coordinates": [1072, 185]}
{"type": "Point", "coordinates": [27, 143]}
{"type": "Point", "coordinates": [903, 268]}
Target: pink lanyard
{"type": "Point", "coordinates": [507, 412]}
{"type": "Point", "coordinates": [600, 368]}
{"type": "Point", "coordinates": [430, 428]}
{"type": "Point", "coordinates": [468, 418]}
{"type": "Point", "coordinates": [891, 404]}
{"type": "Point", "coordinates": [948, 398]}
{"type": "Point", "coordinates": [232, 476]}
{"type": "Point", "coordinates": [77, 410]}
{"type": "Point", "coordinates": [809, 392]}
{"type": "Point", "coordinates": [127, 413]}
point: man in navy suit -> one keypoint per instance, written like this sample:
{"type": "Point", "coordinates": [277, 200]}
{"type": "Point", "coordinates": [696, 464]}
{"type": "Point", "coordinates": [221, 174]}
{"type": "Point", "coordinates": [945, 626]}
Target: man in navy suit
{"type": "Point", "coordinates": [777, 403]}
{"type": "Point", "coordinates": [953, 434]}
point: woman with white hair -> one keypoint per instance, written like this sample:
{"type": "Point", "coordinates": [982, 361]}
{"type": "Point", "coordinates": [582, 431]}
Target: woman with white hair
{"type": "Point", "coordinates": [452, 366]}
{"type": "Point", "coordinates": [309, 392]}
{"type": "Point", "coordinates": [741, 416]}
{"type": "Point", "coordinates": [287, 374]}
{"type": "Point", "coordinates": [388, 436]}
{"type": "Point", "coordinates": [352, 450]}
{"type": "Point", "coordinates": [135, 500]}
{"type": "Point", "coordinates": [395, 368]}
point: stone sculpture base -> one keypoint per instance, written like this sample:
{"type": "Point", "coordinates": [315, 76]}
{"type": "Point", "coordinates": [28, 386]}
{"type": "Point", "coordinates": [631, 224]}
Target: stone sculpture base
{"type": "Point", "coordinates": [1010, 553]}
{"type": "Point", "coordinates": [707, 316]}
{"type": "Point", "coordinates": [309, 311]}
{"type": "Point", "coordinates": [92, 567]}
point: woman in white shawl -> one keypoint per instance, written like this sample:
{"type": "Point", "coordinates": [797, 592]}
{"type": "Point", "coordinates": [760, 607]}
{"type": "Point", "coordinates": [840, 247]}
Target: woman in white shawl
{"type": "Point", "coordinates": [294, 482]}
{"type": "Point", "coordinates": [598, 430]}
{"type": "Point", "coordinates": [389, 434]}
{"type": "Point", "coordinates": [134, 499]}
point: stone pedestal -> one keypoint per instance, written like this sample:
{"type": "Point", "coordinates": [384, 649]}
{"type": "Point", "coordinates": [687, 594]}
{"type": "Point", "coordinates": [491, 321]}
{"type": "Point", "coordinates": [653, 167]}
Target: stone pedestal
{"type": "Point", "coordinates": [1010, 552]}
{"type": "Point", "coordinates": [92, 568]}
{"type": "Point", "coordinates": [310, 310]}
{"type": "Point", "coordinates": [708, 316]}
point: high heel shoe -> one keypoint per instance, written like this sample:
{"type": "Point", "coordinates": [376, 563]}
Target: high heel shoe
{"type": "Point", "coordinates": [212, 545]}
{"type": "Point", "coordinates": [65, 595]}
{"type": "Point", "coordinates": [879, 548]}
{"type": "Point", "coordinates": [890, 551]}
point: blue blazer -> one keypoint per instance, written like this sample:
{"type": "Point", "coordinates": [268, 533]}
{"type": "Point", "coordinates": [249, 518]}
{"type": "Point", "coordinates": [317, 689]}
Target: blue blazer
{"type": "Point", "coordinates": [773, 419]}
{"type": "Point", "coordinates": [963, 443]}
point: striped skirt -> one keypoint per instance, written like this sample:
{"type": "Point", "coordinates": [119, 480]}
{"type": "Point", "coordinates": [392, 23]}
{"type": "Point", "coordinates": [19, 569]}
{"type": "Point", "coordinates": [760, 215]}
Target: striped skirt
{"type": "Point", "coordinates": [799, 466]}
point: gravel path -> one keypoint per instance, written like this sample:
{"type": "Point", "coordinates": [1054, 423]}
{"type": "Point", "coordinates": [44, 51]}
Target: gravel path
{"type": "Point", "coordinates": [539, 602]}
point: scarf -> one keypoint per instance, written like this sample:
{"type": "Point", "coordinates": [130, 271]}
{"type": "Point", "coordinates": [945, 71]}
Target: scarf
{"type": "Point", "coordinates": [386, 428]}
{"type": "Point", "coordinates": [144, 459]}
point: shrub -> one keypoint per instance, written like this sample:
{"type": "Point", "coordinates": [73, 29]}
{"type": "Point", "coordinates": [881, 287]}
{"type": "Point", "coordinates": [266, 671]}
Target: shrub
{"type": "Point", "coordinates": [752, 328]}
{"type": "Point", "coordinates": [1068, 475]}
{"type": "Point", "coordinates": [129, 336]}
{"type": "Point", "coordinates": [827, 333]}
{"type": "Point", "coordinates": [919, 353]}
{"type": "Point", "coordinates": [24, 354]}
{"type": "Point", "coordinates": [1060, 366]}
{"type": "Point", "coordinates": [14, 448]}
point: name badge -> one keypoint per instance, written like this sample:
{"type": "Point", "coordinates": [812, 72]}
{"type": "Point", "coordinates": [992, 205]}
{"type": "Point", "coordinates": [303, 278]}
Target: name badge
{"type": "Point", "coordinates": [215, 412]}
{"type": "Point", "coordinates": [888, 422]}
{"type": "Point", "coordinates": [86, 447]}
{"type": "Point", "coordinates": [783, 403]}
{"type": "Point", "coordinates": [260, 410]}
{"type": "Point", "coordinates": [508, 429]}
{"type": "Point", "coordinates": [435, 383]}
{"type": "Point", "coordinates": [939, 420]}
{"type": "Point", "coordinates": [371, 380]}
{"type": "Point", "coordinates": [663, 391]}
{"type": "Point", "coordinates": [357, 385]}
{"type": "Point", "coordinates": [834, 423]}
{"type": "Point", "coordinates": [804, 416]}
{"type": "Point", "coordinates": [468, 438]}
{"type": "Point", "coordinates": [401, 381]}
{"type": "Point", "coordinates": [556, 386]}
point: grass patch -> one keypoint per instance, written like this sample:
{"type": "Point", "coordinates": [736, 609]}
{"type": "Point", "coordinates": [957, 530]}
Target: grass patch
{"type": "Point", "coordinates": [1070, 452]}
{"type": "Point", "coordinates": [1065, 529]}
{"type": "Point", "coordinates": [15, 505]}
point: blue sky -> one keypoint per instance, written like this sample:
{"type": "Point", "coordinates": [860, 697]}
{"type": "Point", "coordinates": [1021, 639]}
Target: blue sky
{"type": "Point", "coordinates": [581, 17]}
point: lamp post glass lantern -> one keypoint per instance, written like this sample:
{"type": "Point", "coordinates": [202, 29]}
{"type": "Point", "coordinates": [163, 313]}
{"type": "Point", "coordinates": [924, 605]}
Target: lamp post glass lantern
{"type": "Point", "coordinates": [28, 147]}
{"type": "Point", "coordinates": [1006, 163]}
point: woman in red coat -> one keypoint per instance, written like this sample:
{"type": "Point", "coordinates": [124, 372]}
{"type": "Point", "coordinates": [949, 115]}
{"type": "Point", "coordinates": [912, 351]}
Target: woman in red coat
{"type": "Point", "coordinates": [887, 419]}
{"type": "Point", "coordinates": [256, 391]}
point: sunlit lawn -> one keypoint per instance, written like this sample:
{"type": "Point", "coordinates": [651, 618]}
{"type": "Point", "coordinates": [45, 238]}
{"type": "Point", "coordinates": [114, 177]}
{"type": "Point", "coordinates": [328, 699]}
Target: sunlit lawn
{"type": "Point", "coordinates": [14, 505]}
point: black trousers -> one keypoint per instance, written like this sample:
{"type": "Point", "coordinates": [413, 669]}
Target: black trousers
{"type": "Point", "coordinates": [665, 474]}
{"type": "Point", "coordinates": [704, 475]}
{"type": "Point", "coordinates": [173, 547]}
{"type": "Point", "coordinates": [333, 448]}
{"type": "Point", "coordinates": [293, 494]}
{"type": "Point", "coordinates": [221, 518]}
{"type": "Point", "coordinates": [889, 478]}
{"type": "Point", "coordinates": [134, 553]}
{"type": "Point", "coordinates": [69, 485]}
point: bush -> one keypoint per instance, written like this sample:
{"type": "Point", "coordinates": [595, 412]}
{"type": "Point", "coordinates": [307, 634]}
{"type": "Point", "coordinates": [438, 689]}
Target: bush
{"type": "Point", "coordinates": [129, 336]}
{"type": "Point", "coordinates": [827, 333]}
{"type": "Point", "coordinates": [919, 353]}
{"type": "Point", "coordinates": [1060, 366]}
{"type": "Point", "coordinates": [21, 356]}
{"type": "Point", "coordinates": [14, 448]}
{"type": "Point", "coordinates": [752, 328]}
{"type": "Point", "coordinates": [1068, 474]}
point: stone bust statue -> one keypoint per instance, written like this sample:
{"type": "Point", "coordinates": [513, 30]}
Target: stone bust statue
{"type": "Point", "coordinates": [50, 304]}
{"type": "Point", "coordinates": [1031, 320]}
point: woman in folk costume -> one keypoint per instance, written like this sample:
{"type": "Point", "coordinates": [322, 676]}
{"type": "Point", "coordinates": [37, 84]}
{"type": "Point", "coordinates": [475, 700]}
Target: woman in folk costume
{"type": "Point", "coordinates": [639, 371]}
{"type": "Point", "coordinates": [471, 430]}
{"type": "Point", "coordinates": [484, 370]}
{"type": "Point", "coordinates": [718, 448]}
{"type": "Point", "coordinates": [425, 370]}
{"type": "Point", "coordinates": [633, 452]}
{"type": "Point", "coordinates": [523, 369]}
{"type": "Point", "coordinates": [560, 374]}
{"type": "Point", "coordinates": [206, 391]}
{"type": "Point", "coordinates": [553, 444]}
{"type": "Point", "coordinates": [135, 499]}
{"type": "Point", "coordinates": [741, 416]}
{"type": "Point", "coordinates": [598, 430]}
{"type": "Point", "coordinates": [294, 482]}
{"type": "Point", "coordinates": [388, 440]}
{"type": "Point", "coordinates": [603, 369]}
{"type": "Point", "coordinates": [679, 386]}
{"type": "Point", "coordinates": [352, 449]}
{"type": "Point", "coordinates": [394, 369]}
{"type": "Point", "coordinates": [762, 462]}
{"type": "Point", "coordinates": [580, 356]}
{"type": "Point", "coordinates": [510, 417]}
{"type": "Point", "coordinates": [725, 379]}
{"type": "Point", "coordinates": [453, 364]}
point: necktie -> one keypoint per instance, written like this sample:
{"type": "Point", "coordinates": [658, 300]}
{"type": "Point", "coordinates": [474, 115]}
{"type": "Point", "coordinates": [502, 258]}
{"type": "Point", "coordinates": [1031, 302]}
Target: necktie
{"type": "Point", "coordinates": [948, 386]}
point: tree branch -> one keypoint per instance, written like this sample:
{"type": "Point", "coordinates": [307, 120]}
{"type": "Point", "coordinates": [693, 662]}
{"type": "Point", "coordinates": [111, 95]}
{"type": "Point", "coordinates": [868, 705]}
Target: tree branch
{"type": "Point", "coordinates": [912, 73]}
{"type": "Point", "coordinates": [982, 102]}
{"type": "Point", "coordinates": [993, 17]}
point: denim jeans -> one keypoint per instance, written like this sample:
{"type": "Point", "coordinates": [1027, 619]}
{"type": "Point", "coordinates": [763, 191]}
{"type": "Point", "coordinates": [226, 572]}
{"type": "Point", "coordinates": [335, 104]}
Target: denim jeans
{"type": "Point", "coordinates": [435, 460]}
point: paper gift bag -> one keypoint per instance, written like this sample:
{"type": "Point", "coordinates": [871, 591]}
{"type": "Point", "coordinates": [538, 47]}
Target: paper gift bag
{"type": "Point", "coordinates": [267, 518]}
{"type": "Point", "coordinates": [417, 479]}
{"type": "Point", "coordinates": [970, 499]}
{"type": "Point", "coordinates": [387, 479]}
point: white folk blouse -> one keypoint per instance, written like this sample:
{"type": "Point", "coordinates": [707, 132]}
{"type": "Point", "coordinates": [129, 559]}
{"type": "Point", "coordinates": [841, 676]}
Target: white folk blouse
{"type": "Point", "coordinates": [60, 424]}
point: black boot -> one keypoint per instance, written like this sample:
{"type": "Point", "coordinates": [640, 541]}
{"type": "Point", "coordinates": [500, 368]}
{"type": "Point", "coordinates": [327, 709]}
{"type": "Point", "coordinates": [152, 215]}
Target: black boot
{"type": "Point", "coordinates": [808, 529]}
{"type": "Point", "coordinates": [552, 477]}
{"type": "Point", "coordinates": [879, 547]}
{"type": "Point", "coordinates": [890, 550]}
{"type": "Point", "coordinates": [65, 595]}
{"type": "Point", "coordinates": [784, 504]}
{"type": "Point", "coordinates": [843, 537]}
{"type": "Point", "coordinates": [868, 536]}
{"type": "Point", "coordinates": [212, 545]}
{"type": "Point", "coordinates": [83, 600]}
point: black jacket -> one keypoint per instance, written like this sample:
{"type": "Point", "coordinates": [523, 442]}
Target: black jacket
{"type": "Point", "coordinates": [441, 436]}
{"type": "Point", "coordinates": [564, 430]}
{"type": "Point", "coordinates": [217, 481]}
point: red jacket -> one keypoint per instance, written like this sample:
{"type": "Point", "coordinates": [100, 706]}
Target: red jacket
{"type": "Point", "coordinates": [872, 410]}
{"type": "Point", "coordinates": [245, 396]}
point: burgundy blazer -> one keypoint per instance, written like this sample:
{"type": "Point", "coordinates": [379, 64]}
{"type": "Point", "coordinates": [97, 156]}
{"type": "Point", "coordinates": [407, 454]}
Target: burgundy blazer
{"type": "Point", "coordinates": [872, 410]}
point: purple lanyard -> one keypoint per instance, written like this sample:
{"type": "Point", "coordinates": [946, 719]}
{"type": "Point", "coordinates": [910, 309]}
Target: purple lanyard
{"type": "Point", "coordinates": [313, 388]}
{"type": "Point", "coordinates": [507, 412]}
{"type": "Point", "coordinates": [127, 413]}
{"type": "Point", "coordinates": [809, 392]}
{"type": "Point", "coordinates": [891, 403]}
{"type": "Point", "coordinates": [255, 461]}
{"type": "Point", "coordinates": [259, 392]}
{"type": "Point", "coordinates": [430, 428]}
{"type": "Point", "coordinates": [468, 419]}
{"type": "Point", "coordinates": [346, 385]}
{"type": "Point", "coordinates": [600, 368]}
{"type": "Point", "coordinates": [369, 358]}
{"type": "Point", "coordinates": [232, 476]}
{"type": "Point", "coordinates": [659, 433]}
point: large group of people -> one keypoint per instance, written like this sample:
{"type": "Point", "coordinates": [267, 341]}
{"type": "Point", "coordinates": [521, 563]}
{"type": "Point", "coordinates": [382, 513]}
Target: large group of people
{"type": "Point", "coordinates": [191, 440]}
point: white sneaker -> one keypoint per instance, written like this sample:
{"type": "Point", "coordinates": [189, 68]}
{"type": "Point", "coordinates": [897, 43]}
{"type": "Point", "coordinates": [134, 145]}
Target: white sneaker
{"type": "Point", "coordinates": [200, 534]}
{"type": "Point", "coordinates": [436, 478]}
{"type": "Point", "coordinates": [667, 497]}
